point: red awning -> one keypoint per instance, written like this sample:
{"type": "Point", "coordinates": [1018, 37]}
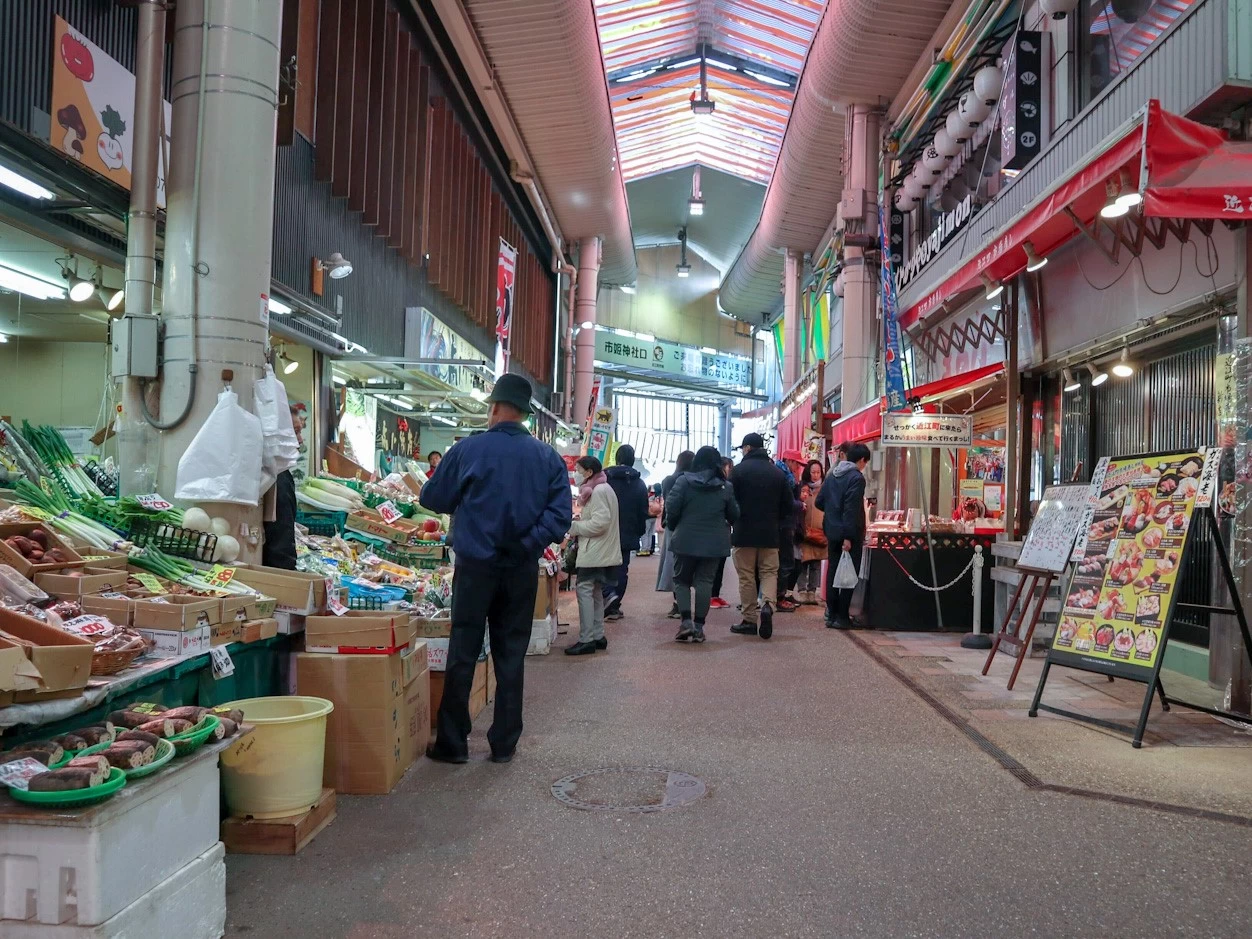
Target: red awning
{"type": "Point", "coordinates": [859, 426]}
{"type": "Point", "coordinates": [952, 383]}
{"type": "Point", "coordinates": [1160, 147]}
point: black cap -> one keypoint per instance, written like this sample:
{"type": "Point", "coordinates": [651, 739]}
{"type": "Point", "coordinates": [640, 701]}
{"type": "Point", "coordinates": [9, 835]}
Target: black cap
{"type": "Point", "coordinates": [753, 440]}
{"type": "Point", "coordinates": [511, 389]}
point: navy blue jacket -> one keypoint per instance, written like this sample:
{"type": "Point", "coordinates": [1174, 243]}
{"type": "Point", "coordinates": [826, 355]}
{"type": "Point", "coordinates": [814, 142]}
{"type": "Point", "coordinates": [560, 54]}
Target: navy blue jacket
{"type": "Point", "coordinates": [509, 491]}
{"type": "Point", "coordinates": [632, 504]}
{"type": "Point", "coordinates": [842, 498]}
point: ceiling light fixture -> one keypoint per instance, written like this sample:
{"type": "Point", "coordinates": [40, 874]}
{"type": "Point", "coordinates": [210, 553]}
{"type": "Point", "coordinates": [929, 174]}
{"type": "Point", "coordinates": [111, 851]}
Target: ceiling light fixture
{"type": "Point", "coordinates": [683, 268]}
{"type": "Point", "coordinates": [24, 283]}
{"type": "Point", "coordinates": [1123, 368]}
{"type": "Point", "coordinates": [81, 289]}
{"type": "Point", "coordinates": [1130, 196]}
{"type": "Point", "coordinates": [645, 337]}
{"type": "Point", "coordinates": [586, 324]}
{"type": "Point", "coordinates": [1098, 377]}
{"type": "Point", "coordinates": [708, 350]}
{"type": "Point", "coordinates": [26, 187]}
{"type": "Point", "coordinates": [628, 289]}
{"type": "Point", "coordinates": [1113, 206]}
{"type": "Point", "coordinates": [277, 307]}
{"type": "Point", "coordinates": [993, 287]}
{"type": "Point", "coordinates": [291, 365]}
{"type": "Point", "coordinates": [767, 79]}
{"type": "Point", "coordinates": [695, 206]}
{"type": "Point", "coordinates": [722, 65]}
{"type": "Point", "coordinates": [1071, 383]}
{"type": "Point", "coordinates": [684, 63]}
{"type": "Point", "coordinates": [1033, 259]}
{"type": "Point", "coordinates": [701, 104]}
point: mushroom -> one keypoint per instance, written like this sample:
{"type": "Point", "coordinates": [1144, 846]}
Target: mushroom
{"type": "Point", "coordinates": [75, 130]}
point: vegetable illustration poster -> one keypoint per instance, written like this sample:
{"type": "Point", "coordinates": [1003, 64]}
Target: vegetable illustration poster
{"type": "Point", "coordinates": [93, 108]}
{"type": "Point", "coordinates": [1122, 589]}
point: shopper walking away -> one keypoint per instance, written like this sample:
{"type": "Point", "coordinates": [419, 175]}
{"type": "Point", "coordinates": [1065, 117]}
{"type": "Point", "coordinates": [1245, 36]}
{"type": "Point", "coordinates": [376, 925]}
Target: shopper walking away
{"type": "Point", "coordinates": [510, 493]}
{"type": "Point", "coordinates": [701, 508]}
{"type": "Point", "coordinates": [788, 561]}
{"type": "Point", "coordinates": [764, 497]}
{"type": "Point", "coordinates": [842, 499]}
{"type": "Point", "coordinates": [633, 521]}
{"type": "Point", "coordinates": [812, 543]}
{"type": "Point", "coordinates": [599, 553]}
{"type": "Point", "coordinates": [665, 570]}
{"type": "Point", "coordinates": [717, 603]}
{"type": "Point", "coordinates": [279, 547]}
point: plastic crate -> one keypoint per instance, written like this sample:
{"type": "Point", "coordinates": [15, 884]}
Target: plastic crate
{"type": "Point", "coordinates": [366, 603]}
{"type": "Point", "coordinates": [176, 542]}
{"type": "Point", "coordinates": [324, 524]}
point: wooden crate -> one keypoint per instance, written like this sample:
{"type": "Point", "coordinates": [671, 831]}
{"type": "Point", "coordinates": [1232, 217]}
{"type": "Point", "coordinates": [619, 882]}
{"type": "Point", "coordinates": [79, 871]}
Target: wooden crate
{"type": "Point", "coordinates": [279, 835]}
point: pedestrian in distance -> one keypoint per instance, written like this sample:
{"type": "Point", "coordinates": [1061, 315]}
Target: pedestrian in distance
{"type": "Point", "coordinates": [665, 570]}
{"type": "Point", "coordinates": [701, 509]}
{"type": "Point", "coordinates": [812, 543]}
{"type": "Point", "coordinates": [791, 465]}
{"type": "Point", "coordinates": [717, 603]}
{"type": "Point", "coordinates": [510, 493]}
{"type": "Point", "coordinates": [599, 553]}
{"type": "Point", "coordinates": [842, 499]}
{"type": "Point", "coordinates": [814, 475]}
{"type": "Point", "coordinates": [764, 497]}
{"type": "Point", "coordinates": [633, 520]}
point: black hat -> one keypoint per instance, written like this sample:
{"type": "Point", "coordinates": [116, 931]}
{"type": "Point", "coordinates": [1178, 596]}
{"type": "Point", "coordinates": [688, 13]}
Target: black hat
{"type": "Point", "coordinates": [753, 440]}
{"type": "Point", "coordinates": [511, 389]}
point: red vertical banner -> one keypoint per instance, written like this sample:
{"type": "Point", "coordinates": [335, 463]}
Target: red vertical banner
{"type": "Point", "coordinates": [506, 274]}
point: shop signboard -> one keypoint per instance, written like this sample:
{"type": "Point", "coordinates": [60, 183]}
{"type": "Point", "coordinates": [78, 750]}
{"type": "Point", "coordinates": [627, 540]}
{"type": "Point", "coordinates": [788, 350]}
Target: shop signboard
{"type": "Point", "coordinates": [1050, 540]}
{"type": "Point", "coordinates": [927, 430]}
{"type": "Point", "coordinates": [946, 226]}
{"type": "Point", "coordinates": [428, 339]}
{"type": "Point", "coordinates": [93, 109]}
{"type": "Point", "coordinates": [893, 371]}
{"type": "Point", "coordinates": [603, 423]}
{"type": "Point", "coordinates": [1021, 106]}
{"type": "Point", "coordinates": [672, 358]}
{"type": "Point", "coordinates": [506, 270]}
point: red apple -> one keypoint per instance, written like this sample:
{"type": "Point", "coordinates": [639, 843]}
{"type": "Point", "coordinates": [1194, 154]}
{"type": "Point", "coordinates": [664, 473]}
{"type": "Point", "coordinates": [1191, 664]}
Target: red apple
{"type": "Point", "coordinates": [431, 525]}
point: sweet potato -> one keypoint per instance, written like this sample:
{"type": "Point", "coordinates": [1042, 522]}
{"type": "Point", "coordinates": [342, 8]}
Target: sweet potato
{"type": "Point", "coordinates": [225, 728]}
{"type": "Point", "coordinates": [141, 735]}
{"type": "Point", "coordinates": [180, 726]}
{"type": "Point", "coordinates": [66, 779]}
{"type": "Point", "coordinates": [129, 755]}
{"type": "Point", "coordinates": [95, 762]}
{"type": "Point", "coordinates": [52, 750]}
{"type": "Point", "coordinates": [129, 719]}
{"type": "Point", "coordinates": [95, 735]}
{"type": "Point", "coordinates": [161, 727]}
{"type": "Point", "coordinates": [234, 714]}
{"type": "Point", "coordinates": [72, 742]}
{"type": "Point", "coordinates": [190, 713]}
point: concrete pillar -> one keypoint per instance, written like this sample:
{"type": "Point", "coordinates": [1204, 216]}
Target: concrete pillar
{"type": "Point", "coordinates": [860, 297]}
{"type": "Point", "coordinates": [793, 266]}
{"type": "Point", "coordinates": [585, 319]}
{"type": "Point", "coordinates": [219, 217]}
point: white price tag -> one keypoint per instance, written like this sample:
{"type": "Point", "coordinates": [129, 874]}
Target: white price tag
{"type": "Point", "coordinates": [334, 602]}
{"type": "Point", "coordinates": [88, 625]}
{"type": "Point", "coordinates": [18, 773]}
{"type": "Point", "coordinates": [389, 512]}
{"type": "Point", "coordinates": [153, 502]}
{"type": "Point", "coordinates": [221, 661]}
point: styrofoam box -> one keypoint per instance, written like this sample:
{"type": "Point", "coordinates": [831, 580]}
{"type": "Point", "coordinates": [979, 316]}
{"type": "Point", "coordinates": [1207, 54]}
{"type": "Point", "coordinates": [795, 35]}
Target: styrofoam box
{"type": "Point", "coordinates": [189, 904]}
{"type": "Point", "coordinates": [542, 635]}
{"type": "Point", "coordinates": [83, 867]}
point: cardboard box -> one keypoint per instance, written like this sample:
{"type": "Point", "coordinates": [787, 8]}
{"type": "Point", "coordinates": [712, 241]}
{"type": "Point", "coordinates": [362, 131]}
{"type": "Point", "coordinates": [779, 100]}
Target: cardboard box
{"type": "Point", "coordinates": [545, 596]}
{"type": "Point", "coordinates": [254, 630]}
{"type": "Point", "coordinates": [289, 623]}
{"type": "Point", "coordinates": [413, 483]}
{"type": "Point", "coordinates": [116, 606]}
{"type": "Point", "coordinates": [478, 693]}
{"type": "Point", "coordinates": [417, 714]}
{"type": "Point", "coordinates": [178, 643]}
{"type": "Point", "coordinates": [25, 567]}
{"type": "Point", "coordinates": [491, 679]}
{"type": "Point", "coordinates": [221, 634]}
{"type": "Point", "coordinates": [368, 746]}
{"type": "Point", "coordinates": [175, 612]}
{"type": "Point", "coordinates": [17, 672]}
{"type": "Point", "coordinates": [292, 591]}
{"type": "Point", "coordinates": [247, 608]}
{"type": "Point", "coordinates": [432, 628]}
{"type": "Point", "coordinates": [360, 632]}
{"type": "Point", "coordinates": [93, 580]}
{"type": "Point", "coordinates": [63, 660]}
{"type": "Point", "coordinates": [102, 558]}
{"type": "Point", "coordinates": [369, 522]}
{"type": "Point", "coordinates": [437, 654]}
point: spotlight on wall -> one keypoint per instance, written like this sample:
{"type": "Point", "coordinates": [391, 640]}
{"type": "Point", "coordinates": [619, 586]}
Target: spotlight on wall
{"type": "Point", "coordinates": [290, 364]}
{"type": "Point", "coordinates": [993, 287]}
{"type": "Point", "coordinates": [1071, 383]}
{"type": "Point", "coordinates": [1033, 259]}
{"type": "Point", "coordinates": [1098, 377]}
{"type": "Point", "coordinates": [337, 266]}
{"type": "Point", "coordinates": [1113, 206]}
{"type": "Point", "coordinates": [1123, 368]}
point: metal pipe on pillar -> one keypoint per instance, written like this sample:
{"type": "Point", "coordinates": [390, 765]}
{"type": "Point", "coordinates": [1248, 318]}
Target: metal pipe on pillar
{"type": "Point", "coordinates": [860, 296]}
{"type": "Point", "coordinates": [219, 217]}
{"type": "Point", "coordinates": [792, 268]}
{"type": "Point", "coordinates": [585, 317]}
{"type": "Point", "coordinates": [1013, 387]}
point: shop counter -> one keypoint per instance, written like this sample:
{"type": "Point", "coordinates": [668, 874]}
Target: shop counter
{"type": "Point", "coordinates": [892, 601]}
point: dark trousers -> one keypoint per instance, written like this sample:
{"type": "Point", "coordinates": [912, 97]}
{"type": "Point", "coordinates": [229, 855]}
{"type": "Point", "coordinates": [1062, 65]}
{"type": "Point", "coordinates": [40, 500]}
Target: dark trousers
{"type": "Point", "coordinates": [788, 569]}
{"type": "Point", "coordinates": [839, 602]}
{"type": "Point", "coordinates": [616, 585]}
{"type": "Point", "coordinates": [717, 578]}
{"type": "Point", "coordinates": [694, 574]}
{"type": "Point", "coordinates": [502, 599]}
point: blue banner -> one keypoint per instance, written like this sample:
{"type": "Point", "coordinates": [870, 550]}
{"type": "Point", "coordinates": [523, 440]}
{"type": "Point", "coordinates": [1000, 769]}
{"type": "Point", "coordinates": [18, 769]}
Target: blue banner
{"type": "Point", "coordinates": [894, 371]}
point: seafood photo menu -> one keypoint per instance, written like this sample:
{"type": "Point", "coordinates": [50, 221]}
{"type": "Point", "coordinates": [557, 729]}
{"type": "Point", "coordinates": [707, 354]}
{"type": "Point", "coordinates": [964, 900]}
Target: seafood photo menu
{"type": "Point", "coordinates": [1120, 595]}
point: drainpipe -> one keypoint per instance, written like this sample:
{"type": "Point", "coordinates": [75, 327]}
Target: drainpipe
{"type": "Point", "coordinates": [585, 318]}
{"type": "Point", "coordinates": [567, 344]}
{"type": "Point", "coordinates": [860, 296]}
{"type": "Point", "coordinates": [219, 219]}
{"type": "Point", "coordinates": [791, 318]}
{"type": "Point", "coordinates": [561, 333]}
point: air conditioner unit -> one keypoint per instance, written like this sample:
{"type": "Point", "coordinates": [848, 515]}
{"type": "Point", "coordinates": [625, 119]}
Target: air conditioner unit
{"type": "Point", "coordinates": [743, 330]}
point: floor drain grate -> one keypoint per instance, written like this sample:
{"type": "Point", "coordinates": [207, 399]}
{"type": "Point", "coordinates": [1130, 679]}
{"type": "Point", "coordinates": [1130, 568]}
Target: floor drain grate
{"type": "Point", "coordinates": [628, 789]}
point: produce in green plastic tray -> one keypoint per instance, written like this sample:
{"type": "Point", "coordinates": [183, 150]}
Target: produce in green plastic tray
{"type": "Point", "coordinates": [73, 797]}
{"type": "Point", "coordinates": [190, 741]}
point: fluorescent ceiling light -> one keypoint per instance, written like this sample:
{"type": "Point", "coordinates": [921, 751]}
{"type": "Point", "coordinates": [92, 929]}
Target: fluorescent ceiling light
{"type": "Point", "coordinates": [767, 79]}
{"type": "Point", "coordinates": [695, 206]}
{"type": "Point", "coordinates": [722, 65]}
{"type": "Point", "coordinates": [23, 185]}
{"type": "Point", "coordinates": [442, 420]}
{"type": "Point", "coordinates": [31, 286]}
{"type": "Point", "coordinates": [646, 337]}
{"type": "Point", "coordinates": [628, 288]}
{"type": "Point", "coordinates": [3, 338]}
{"type": "Point", "coordinates": [586, 324]}
{"type": "Point", "coordinates": [478, 394]}
{"type": "Point", "coordinates": [624, 332]}
{"type": "Point", "coordinates": [684, 63]}
{"type": "Point", "coordinates": [707, 351]}
{"type": "Point", "coordinates": [277, 307]}
{"type": "Point", "coordinates": [339, 380]}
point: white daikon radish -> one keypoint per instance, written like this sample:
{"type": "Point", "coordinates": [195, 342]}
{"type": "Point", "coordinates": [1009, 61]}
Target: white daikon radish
{"type": "Point", "coordinates": [196, 519]}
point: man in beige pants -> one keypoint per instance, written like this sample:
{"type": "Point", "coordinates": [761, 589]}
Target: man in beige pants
{"type": "Point", "coordinates": [763, 496]}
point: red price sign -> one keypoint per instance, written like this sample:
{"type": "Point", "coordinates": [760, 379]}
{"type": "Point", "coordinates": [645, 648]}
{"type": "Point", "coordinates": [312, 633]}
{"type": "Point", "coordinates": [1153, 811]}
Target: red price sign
{"type": "Point", "coordinates": [153, 502]}
{"type": "Point", "coordinates": [389, 512]}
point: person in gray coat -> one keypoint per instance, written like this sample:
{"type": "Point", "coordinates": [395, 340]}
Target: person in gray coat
{"type": "Point", "coordinates": [699, 510]}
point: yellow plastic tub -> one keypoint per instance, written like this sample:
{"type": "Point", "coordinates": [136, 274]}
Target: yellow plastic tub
{"type": "Point", "coordinates": [277, 769]}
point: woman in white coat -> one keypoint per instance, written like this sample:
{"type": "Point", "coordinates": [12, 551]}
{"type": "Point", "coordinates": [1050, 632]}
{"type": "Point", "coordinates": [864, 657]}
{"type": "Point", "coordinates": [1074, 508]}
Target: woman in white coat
{"type": "Point", "coordinates": [599, 553]}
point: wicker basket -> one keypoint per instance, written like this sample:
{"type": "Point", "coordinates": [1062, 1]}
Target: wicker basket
{"type": "Point", "coordinates": [110, 663]}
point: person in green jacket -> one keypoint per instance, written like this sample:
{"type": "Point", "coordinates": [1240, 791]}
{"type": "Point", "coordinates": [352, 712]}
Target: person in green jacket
{"type": "Point", "coordinates": [699, 510]}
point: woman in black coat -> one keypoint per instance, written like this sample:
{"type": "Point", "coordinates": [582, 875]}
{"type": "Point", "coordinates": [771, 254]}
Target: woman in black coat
{"type": "Point", "coordinates": [665, 570]}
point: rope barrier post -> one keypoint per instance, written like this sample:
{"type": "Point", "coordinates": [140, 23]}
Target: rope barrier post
{"type": "Point", "coordinates": [977, 639]}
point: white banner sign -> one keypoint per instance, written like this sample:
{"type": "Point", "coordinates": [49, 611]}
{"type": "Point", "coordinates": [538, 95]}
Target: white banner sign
{"type": "Point", "coordinates": [927, 430]}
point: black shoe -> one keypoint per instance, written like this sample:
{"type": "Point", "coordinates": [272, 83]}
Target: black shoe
{"type": "Point", "coordinates": [767, 621]}
{"type": "Point", "coordinates": [614, 614]}
{"type": "Point", "coordinates": [602, 644]}
{"type": "Point", "coordinates": [502, 758]}
{"type": "Point", "coordinates": [744, 629]}
{"type": "Point", "coordinates": [840, 622]}
{"type": "Point", "coordinates": [686, 632]}
{"type": "Point", "coordinates": [697, 634]}
{"type": "Point", "coordinates": [673, 613]}
{"type": "Point", "coordinates": [439, 756]}
{"type": "Point", "coordinates": [581, 648]}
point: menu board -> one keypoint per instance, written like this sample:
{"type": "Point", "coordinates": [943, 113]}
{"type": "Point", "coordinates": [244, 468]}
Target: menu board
{"type": "Point", "coordinates": [1050, 540]}
{"type": "Point", "coordinates": [1122, 590]}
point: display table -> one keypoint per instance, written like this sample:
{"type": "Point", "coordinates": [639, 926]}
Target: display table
{"type": "Point", "coordinates": [892, 601]}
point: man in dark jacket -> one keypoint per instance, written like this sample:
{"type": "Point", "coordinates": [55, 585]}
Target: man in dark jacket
{"type": "Point", "coordinates": [511, 496]}
{"type": "Point", "coordinates": [764, 498]}
{"type": "Point", "coordinates": [842, 499]}
{"type": "Point", "coordinates": [632, 521]}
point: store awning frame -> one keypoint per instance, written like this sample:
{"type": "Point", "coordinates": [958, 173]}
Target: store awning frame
{"type": "Point", "coordinates": [860, 426]}
{"type": "Point", "coordinates": [952, 385]}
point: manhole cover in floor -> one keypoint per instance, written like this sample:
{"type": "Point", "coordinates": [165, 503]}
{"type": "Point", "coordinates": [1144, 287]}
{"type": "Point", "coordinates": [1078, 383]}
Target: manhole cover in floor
{"type": "Point", "coordinates": [628, 789]}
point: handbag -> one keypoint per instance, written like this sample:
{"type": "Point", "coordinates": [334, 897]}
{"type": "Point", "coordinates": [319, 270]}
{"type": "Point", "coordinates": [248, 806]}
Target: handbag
{"type": "Point", "coordinates": [815, 536]}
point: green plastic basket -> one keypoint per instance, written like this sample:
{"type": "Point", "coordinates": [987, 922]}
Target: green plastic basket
{"type": "Point", "coordinates": [164, 753]}
{"type": "Point", "coordinates": [189, 741]}
{"type": "Point", "coordinates": [74, 797]}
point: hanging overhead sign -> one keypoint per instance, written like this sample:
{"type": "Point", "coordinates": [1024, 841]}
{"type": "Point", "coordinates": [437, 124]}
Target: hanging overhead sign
{"type": "Point", "coordinates": [927, 430]}
{"type": "Point", "coordinates": [893, 365]}
{"type": "Point", "coordinates": [672, 359]}
{"type": "Point", "coordinates": [506, 271]}
{"type": "Point", "coordinates": [1021, 107]}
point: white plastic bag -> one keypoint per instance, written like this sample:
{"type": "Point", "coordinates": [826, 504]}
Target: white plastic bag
{"type": "Point", "coordinates": [223, 462]}
{"type": "Point", "coordinates": [845, 574]}
{"type": "Point", "coordinates": [281, 450]}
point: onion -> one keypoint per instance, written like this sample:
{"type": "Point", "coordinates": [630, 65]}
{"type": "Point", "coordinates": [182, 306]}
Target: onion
{"type": "Point", "coordinates": [219, 526]}
{"type": "Point", "coordinates": [227, 549]}
{"type": "Point", "coordinates": [196, 519]}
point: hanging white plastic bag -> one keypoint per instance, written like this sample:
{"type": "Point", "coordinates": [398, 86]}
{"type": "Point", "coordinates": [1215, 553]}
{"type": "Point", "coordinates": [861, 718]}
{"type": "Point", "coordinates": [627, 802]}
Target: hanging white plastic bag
{"type": "Point", "coordinates": [223, 462]}
{"type": "Point", "coordinates": [281, 450]}
{"type": "Point", "coordinates": [845, 574]}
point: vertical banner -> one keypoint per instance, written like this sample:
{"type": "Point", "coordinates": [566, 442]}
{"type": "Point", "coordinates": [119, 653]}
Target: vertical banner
{"type": "Point", "coordinates": [599, 441]}
{"type": "Point", "coordinates": [506, 269]}
{"type": "Point", "coordinates": [893, 371]}
{"type": "Point", "coordinates": [1021, 106]}
{"type": "Point", "coordinates": [821, 325]}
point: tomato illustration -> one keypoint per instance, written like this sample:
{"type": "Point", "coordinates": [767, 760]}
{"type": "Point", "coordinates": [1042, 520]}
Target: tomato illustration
{"type": "Point", "coordinates": [77, 58]}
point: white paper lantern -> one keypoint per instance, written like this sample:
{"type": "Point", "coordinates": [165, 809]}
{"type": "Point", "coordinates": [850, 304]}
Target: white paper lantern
{"type": "Point", "coordinates": [934, 161]}
{"type": "Point", "coordinates": [987, 83]}
{"type": "Point", "coordinates": [905, 201]}
{"type": "Point", "coordinates": [945, 144]}
{"type": "Point", "coordinates": [1058, 9]}
{"type": "Point", "coordinates": [956, 128]}
{"type": "Point", "coordinates": [972, 110]}
{"type": "Point", "coordinates": [921, 176]}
